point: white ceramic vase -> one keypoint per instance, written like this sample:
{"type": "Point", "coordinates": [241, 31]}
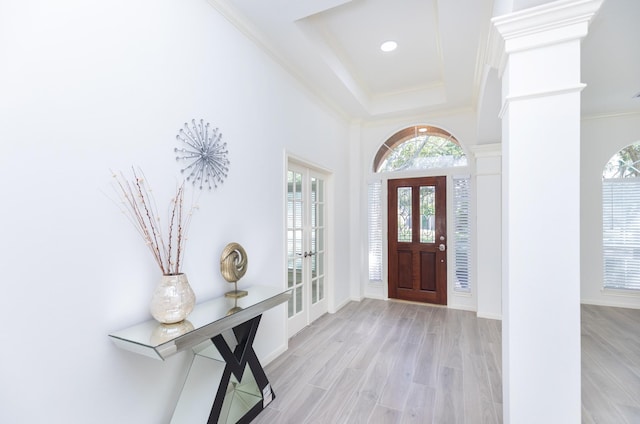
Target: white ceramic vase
{"type": "Point", "coordinates": [173, 299]}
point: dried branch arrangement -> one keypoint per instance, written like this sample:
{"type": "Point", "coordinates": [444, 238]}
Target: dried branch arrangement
{"type": "Point", "coordinates": [138, 205]}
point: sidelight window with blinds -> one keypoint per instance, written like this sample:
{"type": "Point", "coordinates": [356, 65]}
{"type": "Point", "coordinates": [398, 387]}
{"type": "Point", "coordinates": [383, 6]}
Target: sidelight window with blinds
{"type": "Point", "coordinates": [375, 231]}
{"type": "Point", "coordinates": [621, 220]}
{"type": "Point", "coordinates": [462, 225]}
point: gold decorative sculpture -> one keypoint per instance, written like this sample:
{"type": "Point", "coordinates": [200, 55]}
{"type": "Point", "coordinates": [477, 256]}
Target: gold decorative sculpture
{"type": "Point", "coordinates": [233, 265]}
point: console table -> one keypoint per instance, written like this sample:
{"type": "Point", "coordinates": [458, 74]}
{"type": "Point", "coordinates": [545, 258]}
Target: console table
{"type": "Point", "coordinates": [226, 383]}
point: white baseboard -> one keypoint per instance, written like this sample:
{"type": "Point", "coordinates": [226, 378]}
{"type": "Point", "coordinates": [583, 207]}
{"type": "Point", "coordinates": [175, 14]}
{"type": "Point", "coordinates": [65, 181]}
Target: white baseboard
{"type": "Point", "coordinates": [611, 303]}
{"type": "Point", "coordinates": [490, 316]}
{"type": "Point", "coordinates": [273, 355]}
{"type": "Point", "coordinates": [375, 296]}
{"type": "Point", "coordinates": [461, 307]}
{"type": "Point", "coordinates": [343, 304]}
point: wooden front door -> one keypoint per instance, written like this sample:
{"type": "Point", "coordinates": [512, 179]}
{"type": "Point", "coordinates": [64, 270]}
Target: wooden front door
{"type": "Point", "coordinates": [417, 239]}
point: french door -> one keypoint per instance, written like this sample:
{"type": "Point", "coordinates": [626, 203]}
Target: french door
{"type": "Point", "coordinates": [306, 246]}
{"type": "Point", "coordinates": [417, 239]}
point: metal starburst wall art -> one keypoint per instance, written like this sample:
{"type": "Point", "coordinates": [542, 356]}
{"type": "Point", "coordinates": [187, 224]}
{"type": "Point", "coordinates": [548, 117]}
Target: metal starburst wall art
{"type": "Point", "coordinates": [204, 154]}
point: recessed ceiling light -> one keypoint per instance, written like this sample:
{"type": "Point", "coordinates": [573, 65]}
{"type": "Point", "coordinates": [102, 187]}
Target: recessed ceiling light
{"type": "Point", "coordinates": [388, 46]}
{"type": "Point", "coordinates": [423, 129]}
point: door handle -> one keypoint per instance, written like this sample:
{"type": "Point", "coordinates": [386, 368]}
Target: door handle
{"type": "Point", "coordinates": [309, 254]}
{"type": "Point", "coordinates": [442, 247]}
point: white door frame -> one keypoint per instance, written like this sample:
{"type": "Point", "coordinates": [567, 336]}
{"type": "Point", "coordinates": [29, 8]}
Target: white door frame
{"type": "Point", "coordinates": [294, 161]}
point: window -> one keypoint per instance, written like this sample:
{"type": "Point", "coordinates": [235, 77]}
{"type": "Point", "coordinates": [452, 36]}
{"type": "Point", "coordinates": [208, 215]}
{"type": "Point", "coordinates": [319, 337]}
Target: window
{"type": "Point", "coordinates": [375, 232]}
{"type": "Point", "coordinates": [419, 147]}
{"type": "Point", "coordinates": [462, 226]}
{"type": "Point", "coordinates": [621, 220]}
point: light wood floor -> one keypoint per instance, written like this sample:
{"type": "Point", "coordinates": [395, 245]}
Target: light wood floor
{"type": "Point", "coordinates": [389, 362]}
{"type": "Point", "coordinates": [610, 365]}
{"type": "Point", "coordinates": [393, 362]}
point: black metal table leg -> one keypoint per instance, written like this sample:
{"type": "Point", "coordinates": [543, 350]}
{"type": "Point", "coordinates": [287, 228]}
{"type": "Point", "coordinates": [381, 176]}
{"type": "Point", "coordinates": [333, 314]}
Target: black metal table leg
{"type": "Point", "coordinates": [236, 364]}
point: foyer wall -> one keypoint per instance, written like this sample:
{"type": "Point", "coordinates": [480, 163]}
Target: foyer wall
{"type": "Point", "coordinates": [92, 86]}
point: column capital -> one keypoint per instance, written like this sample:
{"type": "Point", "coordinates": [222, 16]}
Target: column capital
{"type": "Point", "coordinates": [550, 23]}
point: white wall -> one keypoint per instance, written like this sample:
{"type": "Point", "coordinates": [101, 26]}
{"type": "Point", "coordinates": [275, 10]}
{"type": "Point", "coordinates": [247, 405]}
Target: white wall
{"type": "Point", "coordinates": [88, 86]}
{"type": "Point", "coordinates": [601, 139]}
{"type": "Point", "coordinates": [488, 235]}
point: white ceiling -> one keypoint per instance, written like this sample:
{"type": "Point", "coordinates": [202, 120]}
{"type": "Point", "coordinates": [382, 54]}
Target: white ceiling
{"type": "Point", "coordinates": [332, 47]}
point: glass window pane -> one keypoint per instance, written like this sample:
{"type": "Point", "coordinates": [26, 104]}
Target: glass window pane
{"type": "Point", "coordinates": [290, 199]}
{"type": "Point", "coordinates": [320, 238]}
{"type": "Point", "coordinates": [422, 151]}
{"type": "Point", "coordinates": [314, 266]}
{"type": "Point", "coordinates": [321, 288]}
{"type": "Point", "coordinates": [624, 164]}
{"type": "Point", "coordinates": [314, 214]}
{"type": "Point", "coordinates": [320, 215]}
{"type": "Point", "coordinates": [375, 231]}
{"type": "Point", "coordinates": [298, 271]}
{"type": "Point", "coordinates": [314, 190]}
{"type": "Point", "coordinates": [298, 242]}
{"type": "Point", "coordinates": [314, 291]}
{"type": "Point", "coordinates": [298, 200]}
{"type": "Point", "coordinates": [621, 232]}
{"type": "Point", "coordinates": [320, 269]}
{"type": "Point", "coordinates": [297, 212]}
{"type": "Point", "coordinates": [427, 214]}
{"type": "Point", "coordinates": [462, 223]}
{"type": "Point", "coordinates": [404, 214]}
{"type": "Point", "coordinates": [320, 190]}
{"type": "Point", "coordinates": [290, 274]}
{"type": "Point", "coordinates": [290, 307]}
{"type": "Point", "coordinates": [298, 299]}
{"type": "Point", "coordinates": [290, 251]}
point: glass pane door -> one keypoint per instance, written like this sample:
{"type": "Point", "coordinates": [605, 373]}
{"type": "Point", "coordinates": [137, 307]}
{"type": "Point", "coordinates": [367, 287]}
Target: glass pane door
{"type": "Point", "coordinates": [317, 248]}
{"type": "Point", "coordinates": [295, 207]}
{"type": "Point", "coordinates": [306, 247]}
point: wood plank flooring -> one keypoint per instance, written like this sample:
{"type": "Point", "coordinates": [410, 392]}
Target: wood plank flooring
{"type": "Point", "coordinates": [393, 362]}
{"type": "Point", "coordinates": [389, 362]}
{"type": "Point", "coordinates": [610, 365]}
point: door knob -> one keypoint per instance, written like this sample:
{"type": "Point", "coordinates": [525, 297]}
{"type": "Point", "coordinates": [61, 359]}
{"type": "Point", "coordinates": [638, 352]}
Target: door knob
{"type": "Point", "coordinates": [442, 247]}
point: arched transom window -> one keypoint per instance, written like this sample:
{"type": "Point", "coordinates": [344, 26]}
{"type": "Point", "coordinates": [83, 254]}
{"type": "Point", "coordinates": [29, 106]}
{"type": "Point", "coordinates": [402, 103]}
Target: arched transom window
{"type": "Point", "coordinates": [419, 147]}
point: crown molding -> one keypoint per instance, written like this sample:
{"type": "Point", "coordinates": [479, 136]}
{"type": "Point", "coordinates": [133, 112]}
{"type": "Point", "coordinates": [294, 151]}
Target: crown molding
{"type": "Point", "coordinates": [620, 114]}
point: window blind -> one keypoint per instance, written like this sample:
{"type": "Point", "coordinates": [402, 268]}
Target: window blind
{"type": "Point", "coordinates": [462, 225]}
{"type": "Point", "coordinates": [375, 231]}
{"type": "Point", "coordinates": [621, 233]}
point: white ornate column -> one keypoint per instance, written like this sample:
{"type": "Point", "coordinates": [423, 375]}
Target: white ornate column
{"type": "Point", "coordinates": [541, 210]}
{"type": "Point", "coordinates": [488, 251]}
